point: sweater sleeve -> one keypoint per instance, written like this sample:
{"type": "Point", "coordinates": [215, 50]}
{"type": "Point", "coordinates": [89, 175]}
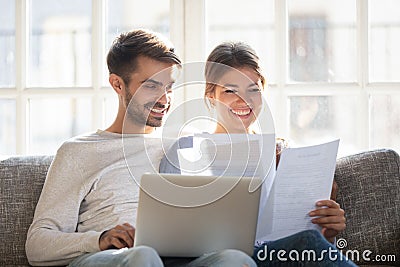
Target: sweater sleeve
{"type": "Point", "coordinates": [52, 238]}
{"type": "Point", "coordinates": [170, 161]}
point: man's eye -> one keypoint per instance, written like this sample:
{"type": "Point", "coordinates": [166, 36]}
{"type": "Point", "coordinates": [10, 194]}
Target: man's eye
{"type": "Point", "coordinates": [150, 86]}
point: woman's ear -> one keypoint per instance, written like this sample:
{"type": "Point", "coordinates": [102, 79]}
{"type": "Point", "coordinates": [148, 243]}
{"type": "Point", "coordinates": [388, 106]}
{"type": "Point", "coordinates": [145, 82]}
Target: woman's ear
{"type": "Point", "coordinates": [211, 99]}
{"type": "Point", "coordinates": [116, 83]}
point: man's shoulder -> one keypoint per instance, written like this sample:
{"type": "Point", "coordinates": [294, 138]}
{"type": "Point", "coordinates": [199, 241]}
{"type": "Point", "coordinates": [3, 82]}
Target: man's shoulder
{"type": "Point", "coordinates": [81, 139]}
{"type": "Point", "coordinates": [85, 142]}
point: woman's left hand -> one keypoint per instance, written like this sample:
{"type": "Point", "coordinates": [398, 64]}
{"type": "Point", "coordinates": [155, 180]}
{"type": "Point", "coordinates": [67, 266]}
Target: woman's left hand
{"type": "Point", "coordinates": [330, 217]}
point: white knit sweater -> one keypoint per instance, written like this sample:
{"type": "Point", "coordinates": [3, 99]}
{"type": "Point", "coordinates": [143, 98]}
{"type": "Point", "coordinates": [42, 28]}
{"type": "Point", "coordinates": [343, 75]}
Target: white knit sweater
{"type": "Point", "coordinates": [91, 186]}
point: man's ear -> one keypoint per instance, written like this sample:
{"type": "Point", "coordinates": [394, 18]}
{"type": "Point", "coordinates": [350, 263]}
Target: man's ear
{"type": "Point", "coordinates": [116, 83]}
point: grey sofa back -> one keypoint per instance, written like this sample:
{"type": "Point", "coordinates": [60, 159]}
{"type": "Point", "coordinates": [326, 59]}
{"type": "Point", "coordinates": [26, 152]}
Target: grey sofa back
{"type": "Point", "coordinates": [369, 191]}
{"type": "Point", "coordinates": [21, 182]}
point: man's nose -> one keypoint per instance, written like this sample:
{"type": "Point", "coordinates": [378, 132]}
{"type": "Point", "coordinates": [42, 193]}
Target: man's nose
{"type": "Point", "coordinates": [164, 98]}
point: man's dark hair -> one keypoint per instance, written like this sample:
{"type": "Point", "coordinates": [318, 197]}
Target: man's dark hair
{"type": "Point", "coordinates": [125, 50]}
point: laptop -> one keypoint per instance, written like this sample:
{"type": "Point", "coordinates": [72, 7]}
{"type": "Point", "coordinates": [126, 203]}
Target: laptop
{"type": "Point", "coordinates": [188, 216]}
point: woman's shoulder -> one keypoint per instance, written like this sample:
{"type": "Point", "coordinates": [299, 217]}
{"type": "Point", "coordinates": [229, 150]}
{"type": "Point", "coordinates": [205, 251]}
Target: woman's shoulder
{"type": "Point", "coordinates": [170, 161]}
{"type": "Point", "coordinates": [185, 142]}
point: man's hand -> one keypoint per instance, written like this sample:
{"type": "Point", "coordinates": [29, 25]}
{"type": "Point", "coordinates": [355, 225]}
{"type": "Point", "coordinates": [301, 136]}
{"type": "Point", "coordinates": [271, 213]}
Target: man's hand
{"type": "Point", "coordinates": [331, 218]}
{"type": "Point", "coordinates": [120, 236]}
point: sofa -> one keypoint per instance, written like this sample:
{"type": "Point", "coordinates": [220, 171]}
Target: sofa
{"type": "Point", "coordinates": [369, 192]}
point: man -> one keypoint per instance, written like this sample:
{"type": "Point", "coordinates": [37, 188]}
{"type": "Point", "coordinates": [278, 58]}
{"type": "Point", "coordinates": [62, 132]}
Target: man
{"type": "Point", "coordinates": [87, 209]}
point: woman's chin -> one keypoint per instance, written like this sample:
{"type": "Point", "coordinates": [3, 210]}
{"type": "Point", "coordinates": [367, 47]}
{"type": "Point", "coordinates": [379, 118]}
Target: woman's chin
{"type": "Point", "coordinates": [243, 130]}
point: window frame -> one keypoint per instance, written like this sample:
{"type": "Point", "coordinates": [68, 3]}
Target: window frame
{"type": "Point", "coordinates": [188, 31]}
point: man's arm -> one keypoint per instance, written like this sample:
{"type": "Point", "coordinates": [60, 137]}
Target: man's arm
{"type": "Point", "coordinates": [120, 236]}
{"type": "Point", "coordinates": [51, 238]}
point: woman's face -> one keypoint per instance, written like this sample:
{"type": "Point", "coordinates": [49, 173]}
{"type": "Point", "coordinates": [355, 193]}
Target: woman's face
{"type": "Point", "coordinates": [237, 100]}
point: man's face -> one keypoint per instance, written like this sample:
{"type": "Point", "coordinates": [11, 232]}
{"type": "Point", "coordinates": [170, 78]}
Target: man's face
{"type": "Point", "coordinates": [148, 96]}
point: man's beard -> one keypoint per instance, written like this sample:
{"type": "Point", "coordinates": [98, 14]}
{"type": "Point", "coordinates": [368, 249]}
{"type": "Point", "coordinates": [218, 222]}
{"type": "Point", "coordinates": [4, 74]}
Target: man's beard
{"type": "Point", "coordinates": [140, 113]}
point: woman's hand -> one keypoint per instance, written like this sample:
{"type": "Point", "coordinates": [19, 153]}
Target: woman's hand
{"type": "Point", "coordinates": [330, 217]}
{"type": "Point", "coordinates": [120, 236]}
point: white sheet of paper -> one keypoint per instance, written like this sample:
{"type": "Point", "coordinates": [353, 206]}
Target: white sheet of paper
{"type": "Point", "coordinates": [230, 155]}
{"type": "Point", "coordinates": [236, 155]}
{"type": "Point", "coordinates": [304, 176]}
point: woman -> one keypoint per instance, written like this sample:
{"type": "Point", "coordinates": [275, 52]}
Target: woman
{"type": "Point", "coordinates": [237, 101]}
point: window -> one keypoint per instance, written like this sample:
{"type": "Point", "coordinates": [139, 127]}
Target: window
{"type": "Point", "coordinates": [7, 77]}
{"type": "Point", "coordinates": [322, 41]}
{"type": "Point", "coordinates": [7, 126]}
{"type": "Point", "coordinates": [322, 44]}
{"type": "Point", "coordinates": [58, 88]}
{"type": "Point", "coordinates": [123, 15]}
{"type": "Point", "coordinates": [384, 74]}
{"type": "Point", "coordinates": [7, 43]}
{"type": "Point", "coordinates": [59, 43]}
{"type": "Point", "coordinates": [251, 22]}
{"type": "Point", "coordinates": [384, 41]}
{"type": "Point", "coordinates": [333, 72]}
{"type": "Point", "coordinates": [331, 66]}
{"type": "Point", "coordinates": [48, 127]}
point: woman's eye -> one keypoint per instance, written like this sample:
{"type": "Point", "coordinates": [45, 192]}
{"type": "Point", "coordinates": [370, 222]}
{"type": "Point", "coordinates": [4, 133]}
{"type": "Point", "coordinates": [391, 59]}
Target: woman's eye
{"type": "Point", "coordinates": [230, 91]}
{"type": "Point", "coordinates": [255, 89]}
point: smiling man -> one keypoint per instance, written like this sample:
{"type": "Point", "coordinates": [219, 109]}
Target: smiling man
{"type": "Point", "coordinates": [145, 96]}
{"type": "Point", "coordinates": [87, 209]}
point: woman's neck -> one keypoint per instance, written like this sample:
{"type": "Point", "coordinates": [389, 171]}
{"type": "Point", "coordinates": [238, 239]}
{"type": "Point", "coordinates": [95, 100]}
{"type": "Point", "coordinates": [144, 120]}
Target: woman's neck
{"type": "Point", "coordinates": [223, 130]}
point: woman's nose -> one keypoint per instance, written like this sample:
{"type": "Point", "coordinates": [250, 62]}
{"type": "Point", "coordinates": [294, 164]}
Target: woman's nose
{"type": "Point", "coordinates": [240, 99]}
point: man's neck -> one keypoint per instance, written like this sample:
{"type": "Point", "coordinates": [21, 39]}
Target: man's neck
{"type": "Point", "coordinates": [130, 129]}
{"type": "Point", "coordinates": [120, 126]}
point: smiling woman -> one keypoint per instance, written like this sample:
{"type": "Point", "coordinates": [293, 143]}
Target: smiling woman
{"type": "Point", "coordinates": [237, 103]}
{"type": "Point", "coordinates": [234, 83]}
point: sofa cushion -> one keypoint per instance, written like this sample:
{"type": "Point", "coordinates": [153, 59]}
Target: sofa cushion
{"type": "Point", "coordinates": [21, 181]}
{"type": "Point", "coordinates": [369, 192]}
